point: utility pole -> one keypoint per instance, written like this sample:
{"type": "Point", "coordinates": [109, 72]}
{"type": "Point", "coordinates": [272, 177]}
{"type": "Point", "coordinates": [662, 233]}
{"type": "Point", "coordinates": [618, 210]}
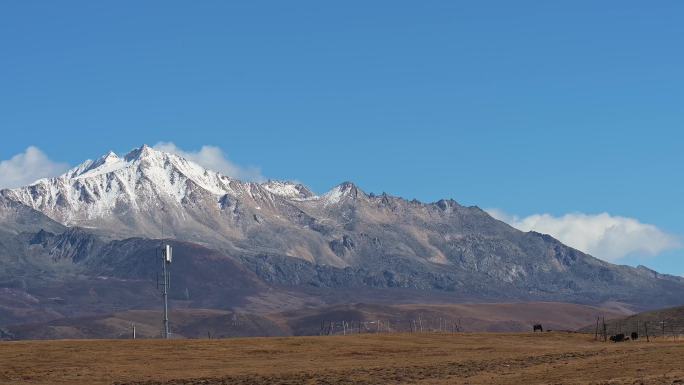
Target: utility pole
{"type": "Point", "coordinates": [167, 254]}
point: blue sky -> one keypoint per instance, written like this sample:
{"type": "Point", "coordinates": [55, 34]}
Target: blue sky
{"type": "Point", "coordinates": [527, 107]}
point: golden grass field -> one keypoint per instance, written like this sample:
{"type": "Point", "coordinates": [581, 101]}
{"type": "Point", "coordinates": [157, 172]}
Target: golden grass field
{"type": "Point", "coordinates": [430, 358]}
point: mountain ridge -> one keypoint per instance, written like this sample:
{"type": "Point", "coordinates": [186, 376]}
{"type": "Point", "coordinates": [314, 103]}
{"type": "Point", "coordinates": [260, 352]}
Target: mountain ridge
{"type": "Point", "coordinates": [96, 227]}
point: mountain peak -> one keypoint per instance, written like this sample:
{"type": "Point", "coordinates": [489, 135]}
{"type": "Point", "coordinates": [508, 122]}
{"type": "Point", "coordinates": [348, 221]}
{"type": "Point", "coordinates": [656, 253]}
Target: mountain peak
{"type": "Point", "coordinates": [142, 152]}
{"type": "Point", "coordinates": [288, 189]}
{"type": "Point", "coordinates": [342, 191]}
{"type": "Point", "coordinates": [347, 185]}
{"type": "Point", "coordinates": [351, 189]}
{"type": "Point", "coordinates": [109, 162]}
{"type": "Point", "coordinates": [111, 155]}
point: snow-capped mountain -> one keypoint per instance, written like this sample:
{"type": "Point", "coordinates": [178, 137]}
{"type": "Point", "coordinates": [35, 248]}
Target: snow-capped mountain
{"type": "Point", "coordinates": [286, 235]}
{"type": "Point", "coordinates": [152, 193]}
{"type": "Point", "coordinates": [289, 190]}
{"type": "Point", "coordinates": [142, 180]}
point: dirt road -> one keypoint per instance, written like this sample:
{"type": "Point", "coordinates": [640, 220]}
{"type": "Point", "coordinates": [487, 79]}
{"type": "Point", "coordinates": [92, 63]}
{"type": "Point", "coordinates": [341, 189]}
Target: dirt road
{"type": "Point", "coordinates": [548, 358]}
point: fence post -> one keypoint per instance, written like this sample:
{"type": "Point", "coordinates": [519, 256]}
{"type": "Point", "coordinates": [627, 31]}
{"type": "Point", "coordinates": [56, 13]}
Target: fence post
{"type": "Point", "coordinates": [637, 327]}
{"type": "Point", "coordinates": [596, 330]}
{"type": "Point", "coordinates": [605, 332]}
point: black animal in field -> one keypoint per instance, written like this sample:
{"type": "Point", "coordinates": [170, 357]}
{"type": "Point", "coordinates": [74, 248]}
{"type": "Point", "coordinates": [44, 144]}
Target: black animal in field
{"type": "Point", "coordinates": [635, 336]}
{"type": "Point", "coordinates": [537, 327]}
{"type": "Point", "coordinates": [619, 338]}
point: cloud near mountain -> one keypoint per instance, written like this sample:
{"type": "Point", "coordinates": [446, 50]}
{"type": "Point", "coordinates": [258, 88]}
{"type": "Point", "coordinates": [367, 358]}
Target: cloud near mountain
{"type": "Point", "coordinates": [27, 167]}
{"type": "Point", "coordinates": [33, 164]}
{"type": "Point", "coordinates": [213, 158]}
{"type": "Point", "coordinates": [604, 236]}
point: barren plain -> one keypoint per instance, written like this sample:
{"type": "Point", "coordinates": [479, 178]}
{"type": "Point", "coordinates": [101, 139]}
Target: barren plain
{"type": "Point", "coordinates": [420, 358]}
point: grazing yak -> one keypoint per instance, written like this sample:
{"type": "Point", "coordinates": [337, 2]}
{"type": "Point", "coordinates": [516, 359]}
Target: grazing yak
{"type": "Point", "coordinates": [619, 338]}
{"type": "Point", "coordinates": [635, 335]}
{"type": "Point", "coordinates": [537, 327]}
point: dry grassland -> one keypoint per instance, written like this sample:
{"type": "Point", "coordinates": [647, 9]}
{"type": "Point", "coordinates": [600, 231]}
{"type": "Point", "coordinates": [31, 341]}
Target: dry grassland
{"type": "Point", "coordinates": [548, 358]}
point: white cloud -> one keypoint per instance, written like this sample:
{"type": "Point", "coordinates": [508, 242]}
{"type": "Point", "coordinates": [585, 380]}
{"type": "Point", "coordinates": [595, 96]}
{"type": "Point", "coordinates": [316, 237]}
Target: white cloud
{"type": "Point", "coordinates": [602, 235]}
{"type": "Point", "coordinates": [27, 167]}
{"type": "Point", "coordinates": [213, 158]}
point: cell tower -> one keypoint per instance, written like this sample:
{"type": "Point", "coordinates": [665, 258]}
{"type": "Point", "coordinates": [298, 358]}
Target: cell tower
{"type": "Point", "coordinates": [167, 256]}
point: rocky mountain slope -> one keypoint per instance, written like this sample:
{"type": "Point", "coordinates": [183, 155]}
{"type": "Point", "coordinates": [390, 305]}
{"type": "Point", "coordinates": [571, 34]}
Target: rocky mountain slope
{"type": "Point", "coordinates": [90, 236]}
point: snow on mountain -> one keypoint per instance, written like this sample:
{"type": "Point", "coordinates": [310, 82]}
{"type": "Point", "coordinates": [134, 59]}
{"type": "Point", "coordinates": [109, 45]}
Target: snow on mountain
{"type": "Point", "coordinates": [340, 192]}
{"type": "Point", "coordinates": [151, 193]}
{"type": "Point", "coordinates": [142, 180]}
{"type": "Point", "coordinates": [108, 163]}
{"type": "Point", "coordinates": [288, 190]}
{"type": "Point", "coordinates": [147, 180]}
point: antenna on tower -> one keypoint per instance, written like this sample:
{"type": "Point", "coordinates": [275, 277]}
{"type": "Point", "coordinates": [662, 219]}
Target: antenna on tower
{"type": "Point", "coordinates": [167, 257]}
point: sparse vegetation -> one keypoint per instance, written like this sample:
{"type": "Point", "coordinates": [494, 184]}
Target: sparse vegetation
{"type": "Point", "coordinates": [430, 358]}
